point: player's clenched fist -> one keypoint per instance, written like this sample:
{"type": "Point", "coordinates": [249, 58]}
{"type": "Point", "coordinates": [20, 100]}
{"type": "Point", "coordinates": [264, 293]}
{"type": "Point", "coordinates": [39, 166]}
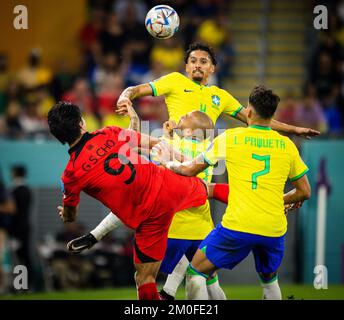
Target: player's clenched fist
{"type": "Point", "coordinates": [168, 128]}
{"type": "Point", "coordinates": [123, 105]}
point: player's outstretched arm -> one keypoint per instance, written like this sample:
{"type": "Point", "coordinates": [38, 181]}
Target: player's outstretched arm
{"type": "Point", "coordinates": [307, 133]}
{"type": "Point", "coordinates": [301, 192]}
{"type": "Point", "coordinates": [130, 94]}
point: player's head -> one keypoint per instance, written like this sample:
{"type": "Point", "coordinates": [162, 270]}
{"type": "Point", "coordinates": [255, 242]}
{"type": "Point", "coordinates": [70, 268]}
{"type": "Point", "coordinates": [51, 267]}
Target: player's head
{"type": "Point", "coordinates": [18, 171]}
{"type": "Point", "coordinates": [262, 103]}
{"type": "Point", "coordinates": [200, 62]}
{"type": "Point", "coordinates": [65, 122]}
{"type": "Point", "coordinates": [196, 124]}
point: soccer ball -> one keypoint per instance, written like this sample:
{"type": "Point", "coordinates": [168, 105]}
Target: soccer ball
{"type": "Point", "coordinates": [162, 22]}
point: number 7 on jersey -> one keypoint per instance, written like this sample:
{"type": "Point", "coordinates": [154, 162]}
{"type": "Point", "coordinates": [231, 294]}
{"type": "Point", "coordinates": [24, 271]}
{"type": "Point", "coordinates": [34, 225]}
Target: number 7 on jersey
{"type": "Point", "coordinates": [266, 169]}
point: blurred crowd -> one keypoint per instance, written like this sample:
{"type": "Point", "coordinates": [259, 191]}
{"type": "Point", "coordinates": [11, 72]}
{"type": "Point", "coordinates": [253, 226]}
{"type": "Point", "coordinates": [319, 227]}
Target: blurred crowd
{"type": "Point", "coordinates": [322, 105]}
{"type": "Point", "coordinates": [116, 51]}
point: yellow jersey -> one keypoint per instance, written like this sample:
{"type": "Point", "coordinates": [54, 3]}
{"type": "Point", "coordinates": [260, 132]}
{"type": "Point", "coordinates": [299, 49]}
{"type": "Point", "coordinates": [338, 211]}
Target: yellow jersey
{"type": "Point", "coordinates": [183, 95]}
{"type": "Point", "coordinates": [194, 223]}
{"type": "Point", "coordinates": [259, 161]}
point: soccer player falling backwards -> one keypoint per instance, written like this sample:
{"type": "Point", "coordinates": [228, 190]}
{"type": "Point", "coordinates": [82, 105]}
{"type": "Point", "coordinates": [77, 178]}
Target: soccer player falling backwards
{"type": "Point", "coordinates": [259, 161]}
{"type": "Point", "coordinates": [144, 196]}
{"type": "Point", "coordinates": [183, 237]}
{"type": "Point", "coordinates": [192, 92]}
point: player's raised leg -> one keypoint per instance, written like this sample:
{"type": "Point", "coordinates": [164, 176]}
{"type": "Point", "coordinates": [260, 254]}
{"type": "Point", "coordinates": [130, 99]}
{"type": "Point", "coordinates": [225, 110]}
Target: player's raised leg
{"type": "Point", "coordinates": [109, 223]}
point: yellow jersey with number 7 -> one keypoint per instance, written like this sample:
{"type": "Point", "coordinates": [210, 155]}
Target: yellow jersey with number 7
{"type": "Point", "coordinates": [259, 161]}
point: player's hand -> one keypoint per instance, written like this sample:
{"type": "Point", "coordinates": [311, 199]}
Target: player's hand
{"type": "Point", "coordinates": [67, 214]}
{"type": "Point", "coordinates": [307, 133]}
{"type": "Point", "coordinates": [123, 106]}
{"type": "Point", "coordinates": [61, 213]}
{"type": "Point", "coordinates": [163, 152]}
{"type": "Point", "coordinates": [168, 128]}
{"type": "Point", "coordinates": [292, 206]}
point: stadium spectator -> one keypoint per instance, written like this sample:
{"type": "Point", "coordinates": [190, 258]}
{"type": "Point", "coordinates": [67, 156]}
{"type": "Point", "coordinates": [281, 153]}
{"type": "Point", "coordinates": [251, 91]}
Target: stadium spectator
{"type": "Point", "coordinates": [214, 30]}
{"type": "Point", "coordinates": [69, 271]}
{"type": "Point", "coordinates": [82, 95]}
{"type": "Point", "coordinates": [7, 209]}
{"type": "Point", "coordinates": [20, 225]}
{"type": "Point", "coordinates": [4, 81]}
{"type": "Point", "coordinates": [113, 38]}
{"type": "Point", "coordinates": [309, 112]}
{"type": "Point", "coordinates": [34, 74]}
{"type": "Point", "coordinates": [169, 53]}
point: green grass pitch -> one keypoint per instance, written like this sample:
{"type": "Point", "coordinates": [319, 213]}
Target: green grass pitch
{"type": "Point", "coordinates": [235, 292]}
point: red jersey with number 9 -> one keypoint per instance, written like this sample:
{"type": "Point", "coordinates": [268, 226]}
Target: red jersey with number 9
{"type": "Point", "coordinates": [104, 165]}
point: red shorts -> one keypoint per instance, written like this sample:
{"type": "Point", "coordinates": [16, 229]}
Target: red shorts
{"type": "Point", "coordinates": [177, 193]}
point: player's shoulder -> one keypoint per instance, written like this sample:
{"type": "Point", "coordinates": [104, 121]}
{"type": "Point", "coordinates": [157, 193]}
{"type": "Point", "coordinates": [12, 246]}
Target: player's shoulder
{"type": "Point", "coordinates": [236, 131]}
{"type": "Point", "coordinates": [221, 92]}
{"type": "Point", "coordinates": [289, 144]}
{"type": "Point", "coordinates": [107, 130]}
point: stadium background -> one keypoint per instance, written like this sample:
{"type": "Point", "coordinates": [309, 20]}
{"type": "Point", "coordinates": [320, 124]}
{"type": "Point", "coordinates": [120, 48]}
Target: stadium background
{"type": "Point", "coordinates": [89, 51]}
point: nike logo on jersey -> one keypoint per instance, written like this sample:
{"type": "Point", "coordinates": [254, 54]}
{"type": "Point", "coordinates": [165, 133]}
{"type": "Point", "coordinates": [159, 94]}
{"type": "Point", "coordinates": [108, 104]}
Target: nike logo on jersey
{"type": "Point", "coordinates": [186, 90]}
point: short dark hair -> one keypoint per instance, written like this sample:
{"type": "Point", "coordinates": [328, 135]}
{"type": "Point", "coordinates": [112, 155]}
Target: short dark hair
{"type": "Point", "coordinates": [19, 171]}
{"type": "Point", "coordinates": [64, 122]}
{"type": "Point", "coordinates": [202, 47]}
{"type": "Point", "coordinates": [264, 101]}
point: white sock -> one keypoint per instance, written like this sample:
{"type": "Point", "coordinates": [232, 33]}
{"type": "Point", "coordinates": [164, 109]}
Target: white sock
{"type": "Point", "coordinates": [174, 279]}
{"type": "Point", "coordinates": [271, 291]}
{"type": "Point", "coordinates": [196, 285]}
{"type": "Point", "coordinates": [215, 292]}
{"type": "Point", "coordinates": [109, 223]}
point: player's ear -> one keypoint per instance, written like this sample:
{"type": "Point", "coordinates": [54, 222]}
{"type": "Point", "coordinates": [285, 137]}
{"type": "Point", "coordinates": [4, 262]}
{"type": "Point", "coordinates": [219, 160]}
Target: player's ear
{"type": "Point", "coordinates": [249, 111]}
{"type": "Point", "coordinates": [82, 124]}
{"type": "Point", "coordinates": [212, 69]}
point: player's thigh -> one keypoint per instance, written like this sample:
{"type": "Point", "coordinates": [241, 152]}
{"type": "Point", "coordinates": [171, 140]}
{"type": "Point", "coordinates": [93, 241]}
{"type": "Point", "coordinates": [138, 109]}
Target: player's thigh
{"type": "Point", "coordinates": [269, 255]}
{"type": "Point", "coordinates": [225, 248]}
{"type": "Point", "coordinates": [176, 248]}
{"type": "Point", "coordinates": [151, 238]}
{"type": "Point", "coordinates": [192, 248]}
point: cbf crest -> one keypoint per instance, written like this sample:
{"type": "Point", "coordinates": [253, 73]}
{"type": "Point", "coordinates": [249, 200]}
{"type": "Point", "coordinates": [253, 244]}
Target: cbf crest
{"type": "Point", "coordinates": [216, 101]}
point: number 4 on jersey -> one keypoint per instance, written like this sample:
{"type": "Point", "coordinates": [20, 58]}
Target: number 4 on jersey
{"type": "Point", "coordinates": [257, 174]}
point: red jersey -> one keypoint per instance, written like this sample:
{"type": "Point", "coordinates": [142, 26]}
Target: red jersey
{"type": "Point", "coordinates": [104, 165]}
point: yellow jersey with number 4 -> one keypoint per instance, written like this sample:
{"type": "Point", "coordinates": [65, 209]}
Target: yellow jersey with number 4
{"type": "Point", "coordinates": [183, 95]}
{"type": "Point", "coordinates": [259, 161]}
{"type": "Point", "coordinates": [194, 223]}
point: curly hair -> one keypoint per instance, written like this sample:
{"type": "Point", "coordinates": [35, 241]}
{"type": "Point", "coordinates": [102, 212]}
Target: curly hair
{"type": "Point", "coordinates": [64, 122]}
{"type": "Point", "coordinates": [202, 47]}
{"type": "Point", "coordinates": [264, 101]}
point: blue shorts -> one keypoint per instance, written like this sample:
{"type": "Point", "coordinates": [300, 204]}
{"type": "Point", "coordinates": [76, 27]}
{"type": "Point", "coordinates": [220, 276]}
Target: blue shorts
{"type": "Point", "coordinates": [176, 248]}
{"type": "Point", "coordinates": [225, 248]}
